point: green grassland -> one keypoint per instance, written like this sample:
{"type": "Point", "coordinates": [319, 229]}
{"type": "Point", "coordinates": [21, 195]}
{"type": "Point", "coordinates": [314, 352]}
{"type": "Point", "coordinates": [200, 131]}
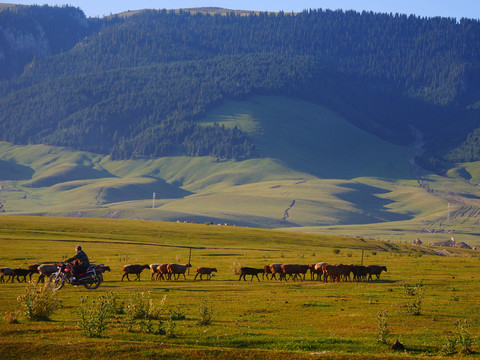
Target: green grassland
{"type": "Point", "coordinates": [317, 173]}
{"type": "Point", "coordinates": [251, 319]}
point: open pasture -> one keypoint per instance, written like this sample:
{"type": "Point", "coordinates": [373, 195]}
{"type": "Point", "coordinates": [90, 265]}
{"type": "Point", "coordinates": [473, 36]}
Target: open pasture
{"type": "Point", "coordinates": [250, 319]}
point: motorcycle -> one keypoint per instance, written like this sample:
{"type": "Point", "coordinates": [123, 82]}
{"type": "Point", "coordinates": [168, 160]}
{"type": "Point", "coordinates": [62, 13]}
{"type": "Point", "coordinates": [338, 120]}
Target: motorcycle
{"type": "Point", "coordinates": [91, 279]}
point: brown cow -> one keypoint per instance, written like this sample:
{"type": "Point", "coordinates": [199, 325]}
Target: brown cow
{"type": "Point", "coordinates": [294, 270]}
{"type": "Point", "coordinates": [162, 272]}
{"type": "Point", "coordinates": [318, 269]}
{"type": "Point", "coordinates": [266, 271]}
{"type": "Point", "coordinates": [375, 270]}
{"type": "Point", "coordinates": [250, 271]}
{"type": "Point", "coordinates": [133, 269]}
{"type": "Point", "coordinates": [153, 270]}
{"type": "Point", "coordinates": [205, 271]}
{"type": "Point", "coordinates": [33, 270]}
{"type": "Point", "coordinates": [45, 270]}
{"type": "Point", "coordinates": [176, 270]}
{"type": "Point", "coordinates": [6, 271]}
{"type": "Point", "coordinates": [276, 269]}
{"type": "Point", "coordinates": [21, 272]}
{"type": "Point", "coordinates": [360, 272]}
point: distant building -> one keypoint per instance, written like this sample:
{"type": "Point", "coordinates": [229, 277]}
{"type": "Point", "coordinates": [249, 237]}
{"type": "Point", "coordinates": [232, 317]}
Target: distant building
{"type": "Point", "coordinates": [462, 245]}
{"type": "Point", "coordinates": [452, 243]}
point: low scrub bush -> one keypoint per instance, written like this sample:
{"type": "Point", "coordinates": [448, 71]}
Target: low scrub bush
{"type": "Point", "coordinates": [113, 304]}
{"type": "Point", "coordinates": [141, 306]}
{"type": "Point", "coordinates": [177, 314]}
{"type": "Point", "coordinates": [12, 317]}
{"type": "Point", "coordinates": [414, 294]}
{"type": "Point", "coordinates": [170, 327]}
{"type": "Point", "coordinates": [39, 302]}
{"type": "Point", "coordinates": [206, 312]}
{"type": "Point", "coordinates": [461, 342]}
{"type": "Point", "coordinates": [382, 329]}
{"type": "Point", "coordinates": [93, 316]}
{"type": "Point", "coordinates": [141, 312]}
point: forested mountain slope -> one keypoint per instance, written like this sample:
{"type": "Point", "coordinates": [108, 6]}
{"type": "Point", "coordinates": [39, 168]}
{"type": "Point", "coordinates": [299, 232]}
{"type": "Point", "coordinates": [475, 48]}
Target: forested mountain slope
{"type": "Point", "coordinates": [135, 86]}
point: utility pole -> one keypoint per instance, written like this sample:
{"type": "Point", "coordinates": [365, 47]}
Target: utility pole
{"type": "Point", "coordinates": [153, 201]}
{"type": "Point", "coordinates": [189, 259]}
{"type": "Point", "coordinates": [448, 212]}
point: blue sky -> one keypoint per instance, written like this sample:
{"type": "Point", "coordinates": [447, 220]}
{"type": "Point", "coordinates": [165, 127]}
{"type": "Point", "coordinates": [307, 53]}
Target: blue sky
{"type": "Point", "coordinates": [429, 8]}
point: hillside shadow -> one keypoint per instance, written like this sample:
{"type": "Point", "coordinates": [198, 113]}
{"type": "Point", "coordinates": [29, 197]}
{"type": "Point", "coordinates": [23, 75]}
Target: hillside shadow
{"type": "Point", "coordinates": [10, 171]}
{"type": "Point", "coordinates": [373, 207]}
{"type": "Point", "coordinates": [139, 191]}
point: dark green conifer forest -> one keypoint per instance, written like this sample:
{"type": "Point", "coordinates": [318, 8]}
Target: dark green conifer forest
{"type": "Point", "coordinates": [134, 85]}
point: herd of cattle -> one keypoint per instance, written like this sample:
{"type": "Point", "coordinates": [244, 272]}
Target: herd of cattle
{"type": "Point", "coordinates": [319, 272]}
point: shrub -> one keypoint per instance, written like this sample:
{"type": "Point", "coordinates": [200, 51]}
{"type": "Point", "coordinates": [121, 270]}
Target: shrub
{"type": "Point", "coordinates": [336, 251]}
{"type": "Point", "coordinates": [12, 317]}
{"type": "Point", "coordinates": [449, 346]}
{"type": "Point", "coordinates": [453, 296]}
{"type": "Point", "coordinates": [114, 306]}
{"type": "Point", "coordinates": [140, 306]}
{"type": "Point", "coordinates": [141, 311]}
{"type": "Point", "coordinates": [414, 306]}
{"type": "Point", "coordinates": [382, 330]}
{"type": "Point", "coordinates": [205, 311]}
{"type": "Point", "coordinates": [464, 339]}
{"type": "Point", "coordinates": [170, 327]}
{"type": "Point", "coordinates": [93, 315]}
{"type": "Point", "coordinates": [39, 302]}
{"type": "Point", "coordinates": [177, 314]}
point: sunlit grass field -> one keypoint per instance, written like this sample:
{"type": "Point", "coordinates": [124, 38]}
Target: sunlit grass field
{"type": "Point", "coordinates": [250, 319]}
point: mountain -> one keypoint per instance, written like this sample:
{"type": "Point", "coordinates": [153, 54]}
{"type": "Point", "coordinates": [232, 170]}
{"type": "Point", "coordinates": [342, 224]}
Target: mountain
{"type": "Point", "coordinates": [317, 121]}
{"type": "Point", "coordinates": [135, 85]}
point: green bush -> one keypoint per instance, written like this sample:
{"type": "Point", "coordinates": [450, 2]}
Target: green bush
{"type": "Point", "coordinates": [382, 330]}
{"type": "Point", "coordinates": [414, 294]}
{"type": "Point", "coordinates": [141, 312]}
{"type": "Point", "coordinates": [93, 316]}
{"type": "Point", "coordinates": [39, 302]}
{"type": "Point", "coordinates": [206, 312]}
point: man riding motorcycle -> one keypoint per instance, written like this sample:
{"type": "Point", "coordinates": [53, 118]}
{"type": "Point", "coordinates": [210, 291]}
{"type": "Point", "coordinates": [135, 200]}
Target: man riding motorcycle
{"type": "Point", "coordinates": [81, 262]}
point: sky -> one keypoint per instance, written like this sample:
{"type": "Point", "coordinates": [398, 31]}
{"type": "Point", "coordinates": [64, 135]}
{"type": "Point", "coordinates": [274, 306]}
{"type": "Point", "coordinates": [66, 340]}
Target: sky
{"type": "Point", "coordinates": [424, 8]}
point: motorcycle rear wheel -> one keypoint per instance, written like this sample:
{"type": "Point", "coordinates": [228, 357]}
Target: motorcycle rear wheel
{"type": "Point", "coordinates": [95, 283]}
{"type": "Point", "coordinates": [56, 281]}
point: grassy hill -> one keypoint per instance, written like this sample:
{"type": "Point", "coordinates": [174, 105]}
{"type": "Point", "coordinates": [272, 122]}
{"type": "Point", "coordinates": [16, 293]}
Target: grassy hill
{"type": "Point", "coordinates": [312, 139]}
{"type": "Point", "coordinates": [332, 177]}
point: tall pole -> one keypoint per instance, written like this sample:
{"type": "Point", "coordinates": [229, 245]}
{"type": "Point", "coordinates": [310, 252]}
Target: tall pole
{"type": "Point", "coordinates": [362, 259]}
{"type": "Point", "coordinates": [189, 259]}
{"type": "Point", "coordinates": [153, 201]}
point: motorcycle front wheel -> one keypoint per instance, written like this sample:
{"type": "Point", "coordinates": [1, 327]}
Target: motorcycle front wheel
{"type": "Point", "coordinates": [56, 281]}
{"type": "Point", "coordinates": [93, 283]}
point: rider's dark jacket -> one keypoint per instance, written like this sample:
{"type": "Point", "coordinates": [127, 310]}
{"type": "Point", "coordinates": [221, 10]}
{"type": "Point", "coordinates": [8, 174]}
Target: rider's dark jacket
{"type": "Point", "coordinates": [81, 257]}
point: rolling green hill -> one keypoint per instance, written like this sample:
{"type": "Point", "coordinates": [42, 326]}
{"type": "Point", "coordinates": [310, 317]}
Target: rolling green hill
{"type": "Point", "coordinates": [303, 193]}
{"type": "Point", "coordinates": [312, 139]}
